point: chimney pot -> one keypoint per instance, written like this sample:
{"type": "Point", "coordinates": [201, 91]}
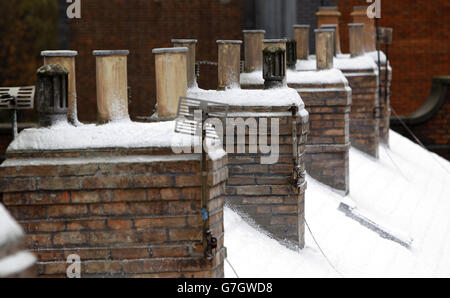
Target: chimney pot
{"type": "Point", "coordinates": [301, 35]}
{"type": "Point", "coordinates": [52, 94]}
{"type": "Point", "coordinates": [171, 79]}
{"type": "Point", "coordinates": [253, 46]}
{"type": "Point", "coordinates": [112, 85]}
{"type": "Point", "coordinates": [67, 59]}
{"type": "Point", "coordinates": [291, 53]}
{"type": "Point", "coordinates": [324, 48]}
{"type": "Point", "coordinates": [356, 38]}
{"type": "Point", "coordinates": [281, 42]}
{"type": "Point", "coordinates": [328, 16]}
{"type": "Point", "coordinates": [190, 44]}
{"type": "Point", "coordinates": [336, 41]}
{"type": "Point", "coordinates": [359, 15]}
{"type": "Point", "coordinates": [229, 63]}
{"type": "Point", "coordinates": [274, 68]}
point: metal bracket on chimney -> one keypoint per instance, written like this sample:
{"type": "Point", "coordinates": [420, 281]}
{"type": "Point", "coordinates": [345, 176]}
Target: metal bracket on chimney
{"type": "Point", "coordinates": [298, 176]}
{"type": "Point", "coordinates": [188, 124]}
{"type": "Point", "coordinates": [16, 98]}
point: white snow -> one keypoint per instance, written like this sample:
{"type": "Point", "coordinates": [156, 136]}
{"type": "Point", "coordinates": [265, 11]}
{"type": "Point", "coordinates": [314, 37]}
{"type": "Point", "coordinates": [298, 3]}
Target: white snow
{"type": "Point", "coordinates": [240, 97]}
{"type": "Point", "coordinates": [329, 76]}
{"type": "Point", "coordinates": [414, 203]}
{"type": "Point", "coordinates": [118, 134]}
{"type": "Point", "coordinates": [342, 62]}
{"type": "Point", "coordinates": [10, 230]}
{"type": "Point", "coordinates": [16, 263]}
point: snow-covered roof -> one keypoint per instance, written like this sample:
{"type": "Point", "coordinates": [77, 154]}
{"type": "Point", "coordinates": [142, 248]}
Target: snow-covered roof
{"type": "Point", "coordinates": [119, 134]}
{"type": "Point", "coordinates": [413, 203]}
{"type": "Point", "coordinates": [241, 97]}
{"type": "Point", "coordinates": [329, 76]}
{"type": "Point", "coordinates": [342, 62]}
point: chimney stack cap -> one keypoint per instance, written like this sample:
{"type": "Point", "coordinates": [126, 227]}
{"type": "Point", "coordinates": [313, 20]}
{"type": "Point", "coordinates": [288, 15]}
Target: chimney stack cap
{"type": "Point", "coordinates": [229, 42]}
{"type": "Point", "coordinates": [275, 40]}
{"type": "Point", "coordinates": [59, 53]}
{"type": "Point", "coordinates": [170, 50]}
{"type": "Point", "coordinates": [111, 53]}
{"type": "Point", "coordinates": [254, 31]}
{"type": "Point", "coordinates": [323, 30]}
{"type": "Point", "coordinates": [184, 40]}
{"type": "Point", "coordinates": [301, 26]}
{"type": "Point", "coordinates": [355, 24]}
{"type": "Point", "coordinates": [52, 70]}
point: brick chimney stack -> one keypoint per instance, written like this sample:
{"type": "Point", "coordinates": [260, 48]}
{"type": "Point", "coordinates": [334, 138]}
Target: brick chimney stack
{"type": "Point", "coordinates": [171, 79]}
{"type": "Point", "coordinates": [301, 35]}
{"type": "Point", "coordinates": [324, 48]}
{"type": "Point", "coordinates": [359, 15]}
{"type": "Point", "coordinates": [67, 60]}
{"type": "Point", "coordinates": [190, 44]}
{"type": "Point", "coordinates": [229, 63]}
{"type": "Point", "coordinates": [253, 47]}
{"type": "Point", "coordinates": [328, 17]}
{"type": "Point", "coordinates": [112, 85]}
{"type": "Point", "coordinates": [356, 38]}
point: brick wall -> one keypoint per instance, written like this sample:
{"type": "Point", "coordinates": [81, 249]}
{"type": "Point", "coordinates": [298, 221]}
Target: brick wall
{"type": "Point", "coordinates": [364, 116]}
{"type": "Point", "coordinates": [420, 46]}
{"type": "Point", "coordinates": [140, 26]}
{"type": "Point", "coordinates": [327, 158]}
{"type": "Point", "coordinates": [263, 192]}
{"type": "Point", "coordinates": [124, 219]}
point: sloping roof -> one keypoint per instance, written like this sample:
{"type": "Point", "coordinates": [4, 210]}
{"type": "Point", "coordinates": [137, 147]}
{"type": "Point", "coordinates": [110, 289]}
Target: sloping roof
{"type": "Point", "coordinates": [408, 195]}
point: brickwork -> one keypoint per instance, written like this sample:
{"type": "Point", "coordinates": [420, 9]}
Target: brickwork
{"type": "Point", "coordinates": [329, 135]}
{"type": "Point", "coordinates": [124, 219]}
{"type": "Point", "coordinates": [385, 112]}
{"type": "Point", "coordinates": [328, 141]}
{"type": "Point", "coordinates": [364, 116]}
{"type": "Point", "coordinates": [263, 191]}
{"type": "Point", "coordinates": [418, 53]}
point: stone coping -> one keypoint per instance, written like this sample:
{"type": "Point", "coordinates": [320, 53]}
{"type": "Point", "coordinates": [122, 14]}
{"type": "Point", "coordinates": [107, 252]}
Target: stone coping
{"type": "Point", "coordinates": [110, 52]}
{"type": "Point", "coordinates": [170, 50]}
{"type": "Point", "coordinates": [59, 53]}
{"type": "Point", "coordinates": [184, 40]}
{"type": "Point", "coordinates": [254, 31]}
{"type": "Point", "coordinates": [229, 41]}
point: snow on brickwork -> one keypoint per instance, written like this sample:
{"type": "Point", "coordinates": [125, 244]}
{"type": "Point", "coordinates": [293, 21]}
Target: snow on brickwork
{"type": "Point", "coordinates": [120, 134]}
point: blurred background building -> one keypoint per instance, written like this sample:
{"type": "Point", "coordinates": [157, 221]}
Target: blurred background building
{"type": "Point", "coordinates": [420, 50]}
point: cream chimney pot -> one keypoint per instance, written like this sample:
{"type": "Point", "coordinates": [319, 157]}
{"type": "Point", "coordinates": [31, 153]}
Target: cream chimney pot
{"type": "Point", "coordinates": [229, 63]}
{"type": "Point", "coordinates": [356, 39]}
{"type": "Point", "coordinates": [328, 16]}
{"type": "Point", "coordinates": [112, 85]}
{"type": "Point", "coordinates": [324, 48]}
{"type": "Point", "coordinates": [253, 47]}
{"type": "Point", "coordinates": [301, 35]}
{"type": "Point", "coordinates": [359, 15]}
{"type": "Point", "coordinates": [171, 79]}
{"type": "Point", "coordinates": [190, 44]}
